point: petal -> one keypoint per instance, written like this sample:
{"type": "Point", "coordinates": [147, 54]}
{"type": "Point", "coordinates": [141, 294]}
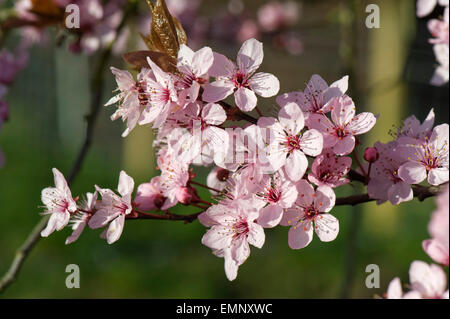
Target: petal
{"type": "Point", "coordinates": [270, 216]}
{"type": "Point", "coordinates": [222, 66]}
{"type": "Point", "coordinates": [311, 142]}
{"type": "Point", "coordinates": [400, 192]}
{"type": "Point", "coordinates": [124, 79]}
{"type": "Point", "coordinates": [214, 114]}
{"type": "Point", "coordinates": [51, 226]}
{"type": "Point", "coordinates": [300, 235]}
{"type": "Point", "coordinates": [429, 280]}
{"type": "Point", "coordinates": [291, 118]}
{"type": "Point", "coordinates": [202, 61]}
{"type": "Point", "coordinates": [256, 236]}
{"type": "Point", "coordinates": [216, 237]}
{"type": "Point", "coordinates": [115, 229]}
{"type": "Point", "coordinates": [76, 233]}
{"type": "Point", "coordinates": [425, 7]}
{"type": "Point", "coordinates": [245, 99]}
{"type": "Point", "coordinates": [412, 172]}
{"type": "Point", "coordinates": [296, 165]}
{"type": "Point", "coordinates": [362, 123]}
{"type": "Point", "coordinates": [327, 227]}
{"type": "Point", "coordinates": [240, 250]}
{"type": "Point", "coordinates": [231, 267]}
{"type": "Point", "coordinates": [265, 84]}
{"type": "Point", "coordinates": [250, 55]}
{"type": "Point", "coordinates": [305, 193]}
{"type": "Point", "coordinates": [394, 290]}
{"type": "Point", "coordinates": [344, 146]}
{"type": "Point", "coordinates": [438, 176]}
{"type": "Point", "coordinates": [343, 111]}
{"type": "Point", "coordinates": [436, 251]}
{"type": "Point", "coordinates": [325, 198]}
{"type": "Point", "coordinates": [217, 91]}
{"type": "Point", "coordinates": [126, 184]}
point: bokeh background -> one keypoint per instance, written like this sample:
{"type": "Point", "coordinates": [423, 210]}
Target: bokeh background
{"type": "Point", "coordinates": [389, 68]}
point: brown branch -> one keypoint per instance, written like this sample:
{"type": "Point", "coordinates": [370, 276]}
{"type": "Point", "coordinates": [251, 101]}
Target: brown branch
{"type": "Point", "coordinates": [95, 105]}
{"type": "Point", "coordinates": [166, 216]}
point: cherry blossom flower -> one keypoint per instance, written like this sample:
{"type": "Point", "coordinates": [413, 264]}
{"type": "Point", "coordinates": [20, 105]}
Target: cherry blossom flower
{"type": "Point", "coordinates": [330, 170]}
{"type": "Point", "coordinates": [425, 7]}
{"type": "Point", "coordinates": [278, 194]}
{"type": "Point", "coordinates": [163, 96]}
{"type": "Point", "coordinates": [59, 204]}
{"type": "Point", "coordinates": [233, 228]}
{"type": "Point", "coordinates": [204, 137]}
{"type": "Point", "coordinates": [275, 15]}
{"type": "Point", "coordinates": [133, 97]}
{"type": "Point", "coordinates": [241, 80]}
{"type": "Point", "coordinates": [438, 246]}
{"type": "Point", "coordinates": [194, 67]}
{"type": "Point", "coordinates": [150, 195]}
{"type": "Point", "coordinates": [439, 29]}
{"type": "Point", "coordinates": [385, 182]}
{"type": "Point", "coordinates": [81, 218]}
{"type": "Point", "coordinates": [414, 129]}
{"type": "Point", "coordinates": [426, 281]}
{"type": "Point", "coordinates": [318, 97]}
{"type": "Point", "coordinates": [429, 158]}
{"type": "Point", "coordinates": [311, 212]}
{"type": "Point", "coordinates": [339, 134]}
{"type": "Point", "coordinates": [174, 175]}
{"type": "Point", "coordinates": [112, 209]}
{"type": "Point", "coordinates": [287, 145]}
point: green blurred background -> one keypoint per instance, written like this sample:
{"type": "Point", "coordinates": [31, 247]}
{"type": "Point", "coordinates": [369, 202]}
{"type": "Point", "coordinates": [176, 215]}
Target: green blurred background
{"type": "Point", "coordinates": [389, 67]}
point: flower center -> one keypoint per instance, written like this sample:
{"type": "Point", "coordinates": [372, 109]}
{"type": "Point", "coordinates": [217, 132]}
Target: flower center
{"type": "Point", "coordinates": [340, 132]}
{"type": "Point", "coordinates": [292, 143]}
{"type": "Point", "coordinates": [272, 195]}
{"type": "Point", "coordinates": [240, 228]}
{"type": "Point", "coordinates": [311, 212]}
{"type": "Point", "coordinates": [240, 80]}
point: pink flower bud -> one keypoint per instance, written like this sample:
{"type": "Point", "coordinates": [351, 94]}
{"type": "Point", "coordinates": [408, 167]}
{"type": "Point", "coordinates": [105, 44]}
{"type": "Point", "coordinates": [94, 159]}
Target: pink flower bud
{"type": "Point", "coordinates": [186, 195]}
{"type": "Point", "coordinates": [371, 154]}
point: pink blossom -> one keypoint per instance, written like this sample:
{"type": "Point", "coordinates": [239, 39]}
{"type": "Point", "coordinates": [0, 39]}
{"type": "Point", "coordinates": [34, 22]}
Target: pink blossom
{"type": "Point", "coordinates": [11, 64]}
{"type": "Point", "coordinates": [414, 129]}
{"type": "Point", "coordinates": [241, 80]}
{"type": "Point", "coordinates": [81, 218]}
{"type": "Point", "coordinates": [133, 97]}
{"type": "Point", "coordinates": [438, 246]}
{"type": "Point", "coordinates": [330, 170]}
{"type": "Point", "coordinates": [371, 154]}
{"type": "Point", "coordinates": [425, 7]}
{"type": "Point", "coordinates": [247, 30]}
{"type": "Point", "coordinates": [385, 182]}
{"type": "Point", "coordinates": [59, 204]}
{"type": "Point", "coordinates": [150, 195]}
{"type": "Point", "coordinates": [311, 212]}
{"type": "Point", "coordinates": [174, 175]}
{"type": "Point", "coordinates": [426, 282]}
{"type": "Point", "coordinates": [204, 136]}
{"type": "Point", "coordinates": [278, 194]}
{"type": "Point", "coordinates": [275, 15]}
{"type": "Point", "coordinates": [163, 96]}
{"type": "Point", "coordinates": [233, 228]}
{"type": "Point", "coordinates": [112, 209]}
{"type": "Point", "coordinates": [194, 67]}
{"type": "Point", "coordinates": [288, 145]}
{"type": "Point", "coordinates": [339, 133]}
{"type": "Point", "coordinates": [439, 29]}
{"type": "Point", "coordinates": [429, 158]}
{"type": "Point", "coordinates": [318, 97]}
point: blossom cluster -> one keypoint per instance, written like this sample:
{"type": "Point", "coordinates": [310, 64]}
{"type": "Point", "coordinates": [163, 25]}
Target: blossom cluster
{"type": "Point", "coordinates": [429, 281]}
{"type": "Point", "coordinates": [439, 29]}
{"type": "Point", "coordinates": [419, 152]}
{"type": "Point", "coordinates": [259, 173]}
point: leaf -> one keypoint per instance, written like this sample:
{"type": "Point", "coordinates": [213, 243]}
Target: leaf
{"type": "Point", "coordinates": [138, 60]}
{"type": "Point", "coordinates": [45, 8]}
{"type": "Point", "coordinates": [166, 32]}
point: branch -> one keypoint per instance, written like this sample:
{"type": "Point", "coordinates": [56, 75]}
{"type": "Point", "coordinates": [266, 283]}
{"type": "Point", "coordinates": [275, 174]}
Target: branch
{"type": "Point", "coordinates": [420, 192]}
{"type": "Point", "coordinates": [97, 84]}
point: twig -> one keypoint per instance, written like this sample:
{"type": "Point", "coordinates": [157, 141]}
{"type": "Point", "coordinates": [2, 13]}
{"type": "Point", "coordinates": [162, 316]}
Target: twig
{"type": "Point", "coordinates": [95, 105]}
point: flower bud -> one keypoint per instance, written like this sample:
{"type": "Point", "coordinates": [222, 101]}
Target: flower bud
{"type": "Point", "coordinates": [371, 154]}
{"type": "Point", "coordinates": [186, 195]}
{"type": "Point", "coordinates": [222, 174]}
